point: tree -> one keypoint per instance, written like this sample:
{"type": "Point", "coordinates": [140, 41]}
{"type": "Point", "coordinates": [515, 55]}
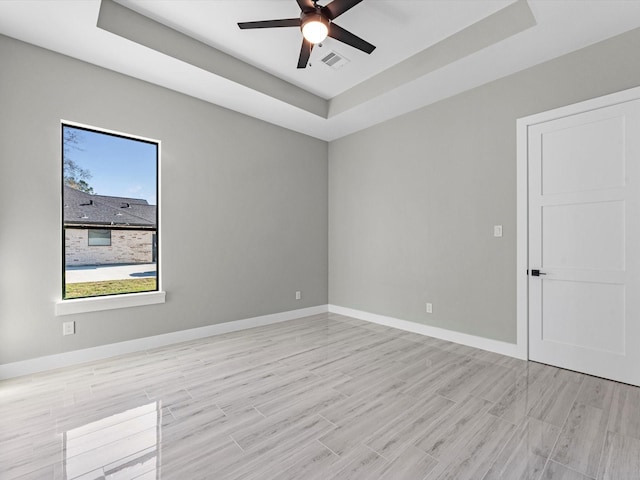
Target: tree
{"type": "Point", "coordinates": [74, 175]}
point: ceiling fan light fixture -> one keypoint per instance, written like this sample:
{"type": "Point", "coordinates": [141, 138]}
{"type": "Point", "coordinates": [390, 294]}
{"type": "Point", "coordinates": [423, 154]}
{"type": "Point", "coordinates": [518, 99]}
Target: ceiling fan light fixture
{"type": "Point", "coordinates": [315, 28]}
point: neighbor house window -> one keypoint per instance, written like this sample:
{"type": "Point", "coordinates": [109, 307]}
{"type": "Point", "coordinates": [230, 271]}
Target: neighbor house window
{"type": "Point", "coordinates": [99, 238]}
{"type": "Point", "coordinates": [109, 200]}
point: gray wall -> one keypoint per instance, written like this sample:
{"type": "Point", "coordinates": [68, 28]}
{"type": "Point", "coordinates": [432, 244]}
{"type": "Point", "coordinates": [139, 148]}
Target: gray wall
{"type": "Point", "coordinates": [244, 206]}
{"type": "Point", "coordinates": [413, 201]}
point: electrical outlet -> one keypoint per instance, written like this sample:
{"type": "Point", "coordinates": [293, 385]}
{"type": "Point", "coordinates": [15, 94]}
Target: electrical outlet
{"type": "Point", "coordinates": [429, 308]}
{"type": "Point", "coordinates": [69, 328]}
{"type": "Point", "coordinates": [298, 295]}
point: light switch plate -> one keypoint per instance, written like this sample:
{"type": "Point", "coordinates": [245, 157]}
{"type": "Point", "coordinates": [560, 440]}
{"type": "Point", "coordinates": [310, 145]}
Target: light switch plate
{"type": "Point", "coordinates": [497, 230]}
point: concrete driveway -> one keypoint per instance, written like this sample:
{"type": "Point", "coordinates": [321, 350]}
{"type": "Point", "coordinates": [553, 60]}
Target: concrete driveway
{"type": "Point", "coordinates": [99, 273]}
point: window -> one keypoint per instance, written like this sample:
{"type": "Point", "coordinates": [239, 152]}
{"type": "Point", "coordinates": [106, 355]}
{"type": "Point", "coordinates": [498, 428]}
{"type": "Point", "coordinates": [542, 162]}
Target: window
{"type": "Point", "coordinates": [110, 214]}
{"type": "Point", "coordinates": [99, 238]}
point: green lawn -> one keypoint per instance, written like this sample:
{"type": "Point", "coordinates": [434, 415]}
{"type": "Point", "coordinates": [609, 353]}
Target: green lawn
{"type": "Point", "coordinates": [94, 289]}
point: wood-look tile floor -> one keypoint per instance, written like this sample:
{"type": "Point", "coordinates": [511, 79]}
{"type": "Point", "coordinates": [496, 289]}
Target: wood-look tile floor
{"type": "Point", "coordinates": [324, 397]}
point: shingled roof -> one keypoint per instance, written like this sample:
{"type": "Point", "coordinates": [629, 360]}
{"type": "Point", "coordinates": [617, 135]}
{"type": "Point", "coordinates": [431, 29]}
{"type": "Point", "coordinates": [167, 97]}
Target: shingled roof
{"type": "Point", "coordinates": [83, 209]}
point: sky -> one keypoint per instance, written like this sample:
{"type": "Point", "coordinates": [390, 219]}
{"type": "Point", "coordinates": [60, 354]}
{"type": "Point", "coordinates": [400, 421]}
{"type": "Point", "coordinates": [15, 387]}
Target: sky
{"type": "Point", "coordinates": [119, 167]}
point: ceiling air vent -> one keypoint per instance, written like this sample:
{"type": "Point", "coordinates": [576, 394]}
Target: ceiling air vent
{"type": "Point", "coordinates": [334, 60]}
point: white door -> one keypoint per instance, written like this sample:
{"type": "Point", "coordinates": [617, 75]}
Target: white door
{"type": "Point", "coordinates": [584, 239]}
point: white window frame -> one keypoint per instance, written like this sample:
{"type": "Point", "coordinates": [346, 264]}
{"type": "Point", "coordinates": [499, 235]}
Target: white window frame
{"type": "Point", "coordinates": [124, 300]}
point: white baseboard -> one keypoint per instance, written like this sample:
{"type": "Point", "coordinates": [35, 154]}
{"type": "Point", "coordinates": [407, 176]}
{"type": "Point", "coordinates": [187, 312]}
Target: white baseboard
{"type": "Point", "coordinates": [50, 362]}
{"type": "Point", "coordinates": [76, 357]}
{"type": "Point", "coordinates": [496, 346]}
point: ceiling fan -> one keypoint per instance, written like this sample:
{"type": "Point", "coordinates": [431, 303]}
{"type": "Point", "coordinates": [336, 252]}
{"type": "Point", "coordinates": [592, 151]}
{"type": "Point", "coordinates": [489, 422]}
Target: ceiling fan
{"type": "Point", "coordinates": [316, 23]}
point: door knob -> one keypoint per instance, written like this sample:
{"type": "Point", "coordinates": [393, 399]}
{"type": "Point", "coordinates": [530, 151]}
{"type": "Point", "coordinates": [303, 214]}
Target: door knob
{"type": "Point", "coordinates": [537, 273]}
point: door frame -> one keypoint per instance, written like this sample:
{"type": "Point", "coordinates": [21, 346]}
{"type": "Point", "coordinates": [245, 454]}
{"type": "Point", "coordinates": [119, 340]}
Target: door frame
{"type": "Point", "coordinates": [522, 200]}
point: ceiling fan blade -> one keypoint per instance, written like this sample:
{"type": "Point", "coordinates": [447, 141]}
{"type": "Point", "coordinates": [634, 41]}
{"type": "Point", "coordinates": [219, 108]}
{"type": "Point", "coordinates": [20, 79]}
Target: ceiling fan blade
{"type": "Point", "coordinates": [306, 5]}
{"type": "Point", "coordinates": [283, 22]}
{"type": "Point", "coordinates": [305, 53]}
{"type": "Point", "coordinates": [338, 7]}
{"type": "Point", "coordinates": [349, 38]}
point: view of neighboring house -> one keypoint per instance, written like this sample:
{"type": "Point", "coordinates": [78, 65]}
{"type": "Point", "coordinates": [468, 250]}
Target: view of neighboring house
{"type": "Point", "coordinates": [103, 230]}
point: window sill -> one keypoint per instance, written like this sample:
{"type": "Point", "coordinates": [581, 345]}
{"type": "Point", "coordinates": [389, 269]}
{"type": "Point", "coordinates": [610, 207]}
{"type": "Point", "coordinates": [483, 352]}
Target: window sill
{"type": "Point", "coordinates": [96, 304]}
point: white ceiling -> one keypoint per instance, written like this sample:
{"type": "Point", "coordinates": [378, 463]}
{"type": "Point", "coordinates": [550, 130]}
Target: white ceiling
{"type": "Point", "coordinates": [397, 28]}
{"type": "Point", "coordinates": [400, 29]}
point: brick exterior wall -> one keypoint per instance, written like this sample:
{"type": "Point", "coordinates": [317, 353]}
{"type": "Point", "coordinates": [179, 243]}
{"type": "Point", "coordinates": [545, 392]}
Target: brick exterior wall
{"type": "Point", "coordinates": [127, 246]}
